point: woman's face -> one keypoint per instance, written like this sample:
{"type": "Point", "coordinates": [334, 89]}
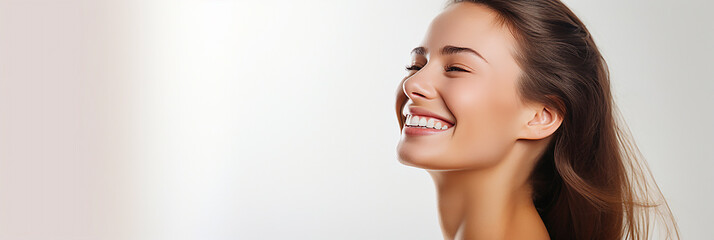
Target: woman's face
{"type": "Point", "coordinates": [476, 91]}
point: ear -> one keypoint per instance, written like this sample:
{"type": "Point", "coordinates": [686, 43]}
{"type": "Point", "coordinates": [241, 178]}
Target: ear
{"type": "Point", "coordinates": [544, 122]}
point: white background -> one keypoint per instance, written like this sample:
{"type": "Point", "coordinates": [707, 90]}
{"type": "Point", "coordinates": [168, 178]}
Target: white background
{"type": "Point", "coordinates": [208, 119]}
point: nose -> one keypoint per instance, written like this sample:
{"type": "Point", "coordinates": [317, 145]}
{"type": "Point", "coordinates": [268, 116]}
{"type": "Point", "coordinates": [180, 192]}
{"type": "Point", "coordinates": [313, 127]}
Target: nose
{"type": "Point", "coordinates": [419, 86]}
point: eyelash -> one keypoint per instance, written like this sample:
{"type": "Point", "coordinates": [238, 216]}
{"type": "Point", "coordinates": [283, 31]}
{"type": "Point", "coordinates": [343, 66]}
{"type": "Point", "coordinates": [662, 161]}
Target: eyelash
{"type": "Point", "coordinates": [415, 67]}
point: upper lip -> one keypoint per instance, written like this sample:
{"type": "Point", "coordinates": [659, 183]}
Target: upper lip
{"type": "Point", "coordinates": [426, 113]}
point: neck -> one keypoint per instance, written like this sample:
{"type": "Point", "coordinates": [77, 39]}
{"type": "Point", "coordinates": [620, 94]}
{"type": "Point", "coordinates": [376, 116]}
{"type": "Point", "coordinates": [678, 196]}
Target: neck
{"type": "Point", "coordinates": [493, 202]}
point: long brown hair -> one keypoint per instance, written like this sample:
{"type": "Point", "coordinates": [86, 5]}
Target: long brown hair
{"type": "Point", "coordinates": [592, 182]}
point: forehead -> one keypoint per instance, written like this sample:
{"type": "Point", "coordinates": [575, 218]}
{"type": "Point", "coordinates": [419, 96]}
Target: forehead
{"type": "Point", "coordinates": [470, 25]}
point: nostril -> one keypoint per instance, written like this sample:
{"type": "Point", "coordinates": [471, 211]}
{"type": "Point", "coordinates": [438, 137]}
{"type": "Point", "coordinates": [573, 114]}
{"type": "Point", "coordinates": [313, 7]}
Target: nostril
{"type": "Point", "coordinates": [419, 94]}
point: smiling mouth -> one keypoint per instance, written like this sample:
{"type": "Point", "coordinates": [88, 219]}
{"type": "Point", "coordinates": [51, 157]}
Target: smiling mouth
{"type": "Point", "coordinates": [425, 122]}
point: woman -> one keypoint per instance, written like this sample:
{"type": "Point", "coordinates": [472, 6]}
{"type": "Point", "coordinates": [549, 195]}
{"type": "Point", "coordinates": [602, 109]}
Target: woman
{"type": "Point", "coordinates": [507, 105]}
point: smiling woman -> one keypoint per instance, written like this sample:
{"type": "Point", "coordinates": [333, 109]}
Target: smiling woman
{"type": "Point", "coordinates": [507, 105]}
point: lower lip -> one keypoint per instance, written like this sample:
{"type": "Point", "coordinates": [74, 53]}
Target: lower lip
{"type": "Point", "coordinates": [419, 131]}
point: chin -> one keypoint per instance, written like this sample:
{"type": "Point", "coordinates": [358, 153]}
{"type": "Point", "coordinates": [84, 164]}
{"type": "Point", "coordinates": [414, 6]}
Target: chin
{"type": "Point", "coordinates": [434, 159]}
{"type": "Point", "coordinates": [425, 160]}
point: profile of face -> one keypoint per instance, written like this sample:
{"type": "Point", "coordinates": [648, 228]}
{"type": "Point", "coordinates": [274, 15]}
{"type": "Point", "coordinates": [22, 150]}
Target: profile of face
{"type": "Point", "coordinates": [473, 93]}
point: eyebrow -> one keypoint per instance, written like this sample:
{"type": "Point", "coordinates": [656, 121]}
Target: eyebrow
{"type": "Point", "coordinates": [447, 50]}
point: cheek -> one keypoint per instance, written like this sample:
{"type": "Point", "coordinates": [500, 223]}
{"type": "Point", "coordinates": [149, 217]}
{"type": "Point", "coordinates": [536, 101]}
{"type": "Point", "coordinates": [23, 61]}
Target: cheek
{"type": "Point", "coordinates": [485, 122]}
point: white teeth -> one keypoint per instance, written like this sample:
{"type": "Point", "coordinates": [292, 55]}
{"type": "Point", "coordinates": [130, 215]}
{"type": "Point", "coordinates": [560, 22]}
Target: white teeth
{"type": "Point", "coordinates": [430, 123]}
{"type": "Point", "coordinates": [426, 122]}
{"type": "Point", "coordinates": [422, 122]}
{"type": "Point", "coordinates": [414, 120]}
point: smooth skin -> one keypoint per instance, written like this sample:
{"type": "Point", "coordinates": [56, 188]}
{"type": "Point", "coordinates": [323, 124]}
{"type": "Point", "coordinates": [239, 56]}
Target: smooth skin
{"type": "Point", "coordinates": [481, 165]}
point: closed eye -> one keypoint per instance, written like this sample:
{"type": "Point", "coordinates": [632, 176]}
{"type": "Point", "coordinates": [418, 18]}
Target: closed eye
{"type": "Point", "coordinates": [412, 67]}
{"type": "Point", "coordinates": [456, 69]}
{"type": "Point", "coordinates": [417, 68]}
